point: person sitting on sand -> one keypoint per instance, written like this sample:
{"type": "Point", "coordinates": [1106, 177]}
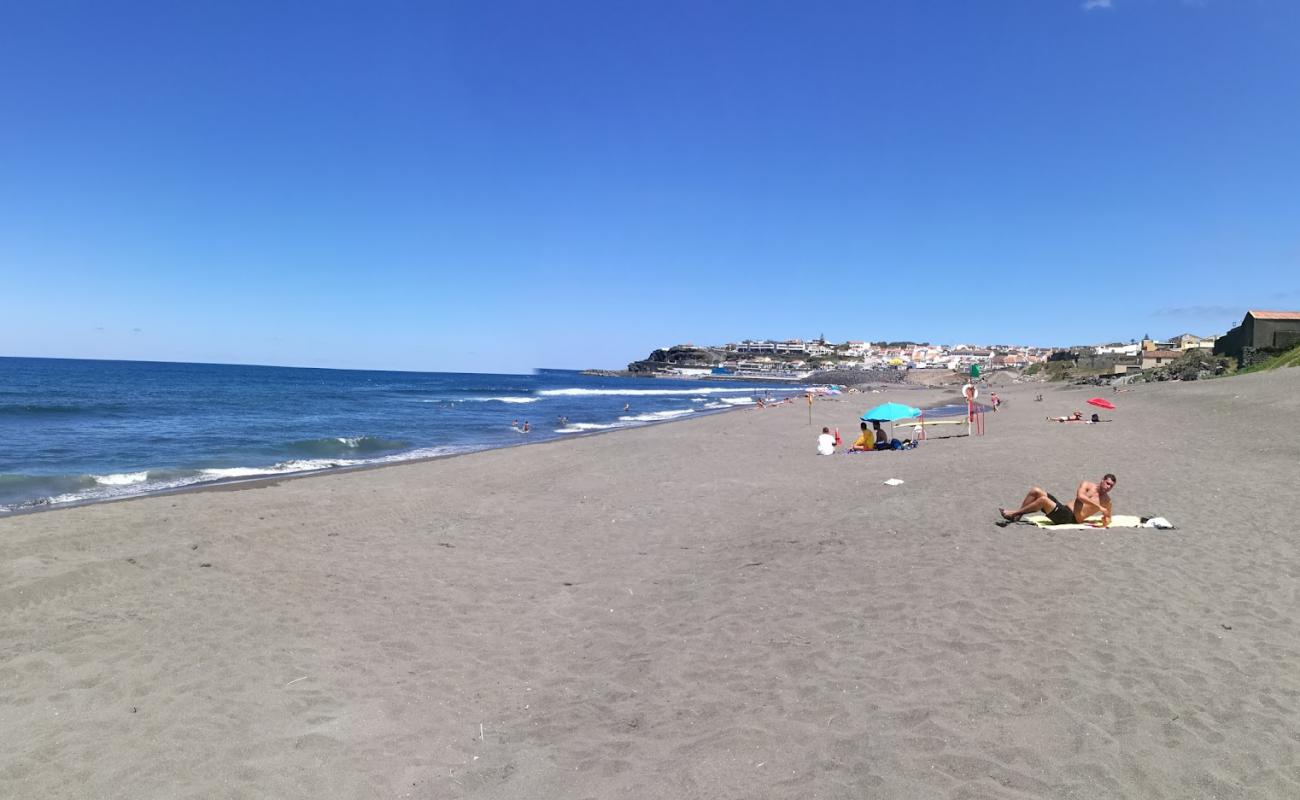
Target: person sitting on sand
{"type": "Point", "coordinates": [1077, 416]}
{"type": "Point", "coordinates": [826, 443]}
{"type": "Point", "coordinates": [1088, 500]}
{"type": "Point", "coordinates": [865, 441]}
{"type": "Point", "coordinates": [882, 438]}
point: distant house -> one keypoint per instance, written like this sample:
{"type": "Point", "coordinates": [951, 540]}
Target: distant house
{"type": "Point", "coordinates": [1154, 358]}
{"type": "Point", "coordinates": [1119, 349]}
{"type": "Point", "coordinates": [1152, 344]}
{"type": "Point", "coordinates": [1260, 330]}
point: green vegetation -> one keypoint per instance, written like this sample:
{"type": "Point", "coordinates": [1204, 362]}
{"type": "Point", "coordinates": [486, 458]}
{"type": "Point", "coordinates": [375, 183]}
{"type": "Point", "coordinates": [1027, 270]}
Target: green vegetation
{"type": "Point", "coordinates": [1064, 370]}
{"type": "Point", "coordinates": [1288, 358]}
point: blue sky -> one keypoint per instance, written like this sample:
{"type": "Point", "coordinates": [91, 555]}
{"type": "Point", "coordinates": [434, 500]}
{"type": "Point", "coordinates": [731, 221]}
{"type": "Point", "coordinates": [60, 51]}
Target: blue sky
{"type": "Point", "coordinates": [496, 186]}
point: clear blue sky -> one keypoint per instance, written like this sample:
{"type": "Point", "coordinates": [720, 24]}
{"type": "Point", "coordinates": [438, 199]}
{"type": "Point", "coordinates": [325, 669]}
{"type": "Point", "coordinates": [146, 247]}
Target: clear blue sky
{"type": "Point", "coordinates": [502, 185]}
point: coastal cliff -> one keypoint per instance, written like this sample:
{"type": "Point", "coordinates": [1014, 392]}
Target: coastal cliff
{"type": "Point", "coordinates": [680, 355]}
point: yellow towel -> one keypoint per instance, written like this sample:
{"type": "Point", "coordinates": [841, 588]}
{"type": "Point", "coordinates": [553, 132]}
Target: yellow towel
{"type": "Point", "coordinates": [1093, 523]}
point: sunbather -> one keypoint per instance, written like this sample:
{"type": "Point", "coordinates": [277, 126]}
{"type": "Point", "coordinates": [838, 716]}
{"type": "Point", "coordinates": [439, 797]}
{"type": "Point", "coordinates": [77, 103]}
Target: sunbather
{"type": "Point", "coordinates": [825, 443]}
{"type": "Point", "coordinates": [1077, 416]}
{"type": "Point", "coordinates": [1089, 498]}
{"type": "Point", "coordinates": [882, 438]}
{"type": "Point", "coordinates": [865, 441]}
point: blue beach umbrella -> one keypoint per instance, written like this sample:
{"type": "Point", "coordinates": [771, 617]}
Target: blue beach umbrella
{"type": "Point", "coordinates": [890, 412]}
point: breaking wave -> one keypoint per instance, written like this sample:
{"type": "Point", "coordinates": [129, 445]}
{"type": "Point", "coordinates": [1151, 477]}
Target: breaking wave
{"type": "Point", "coordinates": [121, 478]}
{"type": "Point", "coordinates": [658, 416]}
{"type": "Point", "coordinates": [344, 446]}
{"type": "Point", "coordinates": [639, 392]}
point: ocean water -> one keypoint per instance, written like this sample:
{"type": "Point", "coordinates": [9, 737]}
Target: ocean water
{"type": "Point", "coordinates": [76, 431]}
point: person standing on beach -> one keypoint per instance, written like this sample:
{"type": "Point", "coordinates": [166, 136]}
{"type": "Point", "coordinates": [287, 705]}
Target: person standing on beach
{"type": "Point", "coordinates": [1088, 500]}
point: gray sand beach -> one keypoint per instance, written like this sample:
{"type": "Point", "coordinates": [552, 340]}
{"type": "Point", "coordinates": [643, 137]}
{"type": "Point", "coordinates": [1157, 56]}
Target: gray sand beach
{"type": "Point", "coordinates": [702, 609]}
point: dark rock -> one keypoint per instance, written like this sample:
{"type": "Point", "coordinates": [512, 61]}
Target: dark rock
{"type": "Point", "coordinates": [856, 377]}
{"type": "Point", "coordinates": [679, 355]}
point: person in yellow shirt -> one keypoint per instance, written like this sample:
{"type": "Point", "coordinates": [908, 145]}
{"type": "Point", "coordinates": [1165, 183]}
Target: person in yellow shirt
{"type": "Point", "coordinates": [866, 441]}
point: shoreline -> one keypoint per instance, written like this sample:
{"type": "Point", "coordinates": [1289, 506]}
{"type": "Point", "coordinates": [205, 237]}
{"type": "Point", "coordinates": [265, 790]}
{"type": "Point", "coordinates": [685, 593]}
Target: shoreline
{"type": "Point", "coordinates": [257, 481]}
{"type": "Point", "coordinates": [262, 481]}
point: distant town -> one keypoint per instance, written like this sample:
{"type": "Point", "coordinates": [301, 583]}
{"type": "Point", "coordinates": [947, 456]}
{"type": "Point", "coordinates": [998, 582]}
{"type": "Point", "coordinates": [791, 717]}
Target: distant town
{"type": "Point", "coordinates": [1261, 334]}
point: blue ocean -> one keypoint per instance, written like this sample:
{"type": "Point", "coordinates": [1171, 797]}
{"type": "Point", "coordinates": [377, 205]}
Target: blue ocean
{"type": "Point", "coordinates": [74, 431]}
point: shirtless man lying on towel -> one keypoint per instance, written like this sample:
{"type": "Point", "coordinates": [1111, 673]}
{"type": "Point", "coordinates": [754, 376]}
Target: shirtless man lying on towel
{"type": "Point", "coordinates": [1088, 500]}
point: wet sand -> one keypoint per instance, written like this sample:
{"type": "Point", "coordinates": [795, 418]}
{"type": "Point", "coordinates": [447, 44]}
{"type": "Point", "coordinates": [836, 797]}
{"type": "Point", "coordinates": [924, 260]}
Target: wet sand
{"type": "Point", "coordinates": [699, 609]}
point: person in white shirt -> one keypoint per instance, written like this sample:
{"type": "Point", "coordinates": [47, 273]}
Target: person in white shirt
{"type": "Point", "coordinates": [826, 443]}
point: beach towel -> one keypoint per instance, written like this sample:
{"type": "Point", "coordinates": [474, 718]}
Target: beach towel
{"type": "Point", "coordinates": [1094, 522]}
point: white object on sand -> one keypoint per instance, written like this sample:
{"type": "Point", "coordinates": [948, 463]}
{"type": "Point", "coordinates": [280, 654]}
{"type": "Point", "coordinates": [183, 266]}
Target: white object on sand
{"type": "Point", "coordinates": [893, 482]}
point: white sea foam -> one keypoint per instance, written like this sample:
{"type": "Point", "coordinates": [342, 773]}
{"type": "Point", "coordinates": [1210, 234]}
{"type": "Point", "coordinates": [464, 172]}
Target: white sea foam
{"type": "Point", "coordinates": [121, 478]}
{"type": "Point", "coordinates": [582, 427]}
{"type": "Point", "coordinates": [136, 483]}
{"type": "Point", "coordinates": [301, 465]}
{"type": "Point", "coordinates": [716, 405]}
{"type": "Point", "coordinates": [657, 416]}
{"type": "Point", "coordinates": [737, 401]}
{"type": "Point", "coordinates": [637, 392]}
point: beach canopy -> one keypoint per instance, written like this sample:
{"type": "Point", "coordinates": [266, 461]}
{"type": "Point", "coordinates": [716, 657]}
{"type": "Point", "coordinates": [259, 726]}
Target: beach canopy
{"type": "Point", "coordinates": [1101, 402]}
{"type": "Point", "coordinates": [890, 412]}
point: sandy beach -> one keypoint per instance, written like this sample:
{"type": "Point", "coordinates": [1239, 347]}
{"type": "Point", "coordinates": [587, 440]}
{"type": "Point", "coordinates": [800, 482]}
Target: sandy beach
{"type": "Point", "coordinates": [702, 609]}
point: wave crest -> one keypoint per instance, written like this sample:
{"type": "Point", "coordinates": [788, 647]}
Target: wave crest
{"type": "Point", "coordinates": [344, 446]}
{"type": "Point", "coordinates": [658, 416]}
{"type": "Point", "coordinates": [121, 478]}
{"type": "Point", "coordinates": [640, 392]}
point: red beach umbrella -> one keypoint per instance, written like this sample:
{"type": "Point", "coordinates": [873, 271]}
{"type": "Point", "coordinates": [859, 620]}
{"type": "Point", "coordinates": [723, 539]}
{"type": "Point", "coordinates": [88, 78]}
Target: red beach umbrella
{"type": "Point", "coordinates": [1101, 402]}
